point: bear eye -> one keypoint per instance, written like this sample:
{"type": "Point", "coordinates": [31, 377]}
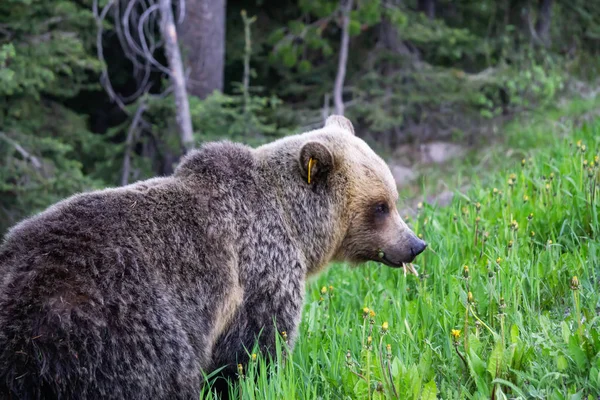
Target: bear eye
{"type": "Point", "coordinates": [381, 208]}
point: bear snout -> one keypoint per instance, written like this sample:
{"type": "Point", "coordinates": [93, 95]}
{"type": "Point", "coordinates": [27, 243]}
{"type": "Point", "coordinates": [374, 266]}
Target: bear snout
{"type": "Point", "coordinates": [417, 246]}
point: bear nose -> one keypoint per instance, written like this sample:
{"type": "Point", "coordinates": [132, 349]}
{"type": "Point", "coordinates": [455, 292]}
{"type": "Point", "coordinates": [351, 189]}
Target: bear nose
{"type": "Point", "coordinates": [417, 247]}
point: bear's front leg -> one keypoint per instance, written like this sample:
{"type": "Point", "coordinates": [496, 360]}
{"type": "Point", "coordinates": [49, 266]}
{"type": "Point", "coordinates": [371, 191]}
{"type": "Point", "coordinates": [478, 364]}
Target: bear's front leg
{"type": "Point", "coordinates": [265, 313]}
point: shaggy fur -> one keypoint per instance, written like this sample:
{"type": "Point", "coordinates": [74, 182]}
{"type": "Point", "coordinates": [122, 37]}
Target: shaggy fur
{"type": "Point", "coordinates": [132, 293]}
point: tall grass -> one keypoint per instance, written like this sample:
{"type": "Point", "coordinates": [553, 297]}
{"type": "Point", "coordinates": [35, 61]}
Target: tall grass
{"type": "Point", "coordinates": [506, 304]}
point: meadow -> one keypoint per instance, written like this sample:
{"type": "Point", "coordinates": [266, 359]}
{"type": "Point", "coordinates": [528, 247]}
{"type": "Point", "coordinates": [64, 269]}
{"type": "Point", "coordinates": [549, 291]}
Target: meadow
{"type": "Point", "coordinates": [505, 306]}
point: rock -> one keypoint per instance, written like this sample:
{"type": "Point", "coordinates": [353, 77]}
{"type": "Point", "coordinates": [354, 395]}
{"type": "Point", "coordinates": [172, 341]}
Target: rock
{"type": "Point", "coordinates": [439, 152]}
{"type": "Point", "coordinates": [402, 175]}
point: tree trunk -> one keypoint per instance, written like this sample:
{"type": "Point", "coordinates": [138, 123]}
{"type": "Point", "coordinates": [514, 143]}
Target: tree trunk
{"type": "Point", "coordinates": [389, 38]}
{"type": "Point", "coordinates": [203, 38]}
{"type": "Point", "coordinates": [542, 26]}
{"type": "Point", "coordinates": [169, 34]}
{"type": "Point", "coordinates": [427, 7]}
{"type": "Point", "coordinates": [343, 60]}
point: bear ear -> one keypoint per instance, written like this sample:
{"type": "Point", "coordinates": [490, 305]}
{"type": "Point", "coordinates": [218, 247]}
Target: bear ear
{"type": "Point", "coordinates": [316, 161]}
{"type": "Point", "coordinates": [340, 121]}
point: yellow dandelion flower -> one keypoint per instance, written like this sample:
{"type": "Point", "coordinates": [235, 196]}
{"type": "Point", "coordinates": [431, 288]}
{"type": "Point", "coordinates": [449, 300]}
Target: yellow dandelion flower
{"type": "Point", "coordinates": [574, 283]}
{"type": "Point", "coordinates": [470, 298]}
{"type": "Point", "coordinates": [384, 326]}
{"type": "Point", "coordinates": [455, 333]}
{"type": "Point", "coordinates": [324, 290]}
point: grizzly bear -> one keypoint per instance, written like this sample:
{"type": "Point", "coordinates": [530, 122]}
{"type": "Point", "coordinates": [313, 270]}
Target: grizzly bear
{"type": "Point", "coordinates": [135, 292]}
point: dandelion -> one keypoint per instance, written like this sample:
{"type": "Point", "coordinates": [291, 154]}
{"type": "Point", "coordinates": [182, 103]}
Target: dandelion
{"type": "Point", "coordinates": [388, 348]}
{"type": "Point", "coordinates": [525, 198]}
{"type": "Point", "coordinates": [371, 313]}
{"type": "Point", "coordinates": [419, 205]}
{"type": "Point", "coordinates": [384, 327]}
{"type": "Point", "coordinates": [324, 290]}
{"type": "Point", "coordinates": [466, 271]}
{"type": "Point", "coordinates": [495, 191]}
{"type": "Point", "coordinates": [365, 312]}
{"type": "Point", "coordinates": [523, 162]}
{"type": "Point", "coordinates": [575, 283]}
{"type": "Point", "coordinates": [330, 288]}
{"type": "Point", "coordinates": [369, 340]}
{"type": "Point", "coordinates": [514, 225]}
{"type": "Point", "coordinates": [585, 163]}
{"type": "Point", "coordinates": [551, 176]}
{"type": "Point", "coordinates": [510, 182]}
{"type": "Point", "coordinates": [465, 211]}
{"type": "Point", "coordinates": [478, 206]}
{"type": "Point", "coordinates": [420, 235]}
{"type": "Point", "coordinates": [530, 216]}
{"type": "Point", "coordinates": [455, 334]}
{"type": "Point", "coordinates": [583, 148]}
{"type": "Point", "coordinates": [477, 220]}
{"type": "Point", "coordinates": [510, 244]}
{"type": "Point", "coordinates": [532, 233]}
{"type": "Point", "coordinates": [549, 241]}
{"type": "Point", "coordinates": [470, 298]}
{"type": "Point", "coordinates": [240, 369]}
{"type": "Point", "coordinates": [547, 186]}
{"type": "Point", "coordinates": [498, 260]}
{"type": "Point", "coordinates": [254, 357]}
{"type": "Point", "coordinates": [284, 335]}
{"type": "Point", "coordinates": [513, 177]}
{"type": "Point", "coordinates": [579, 143]}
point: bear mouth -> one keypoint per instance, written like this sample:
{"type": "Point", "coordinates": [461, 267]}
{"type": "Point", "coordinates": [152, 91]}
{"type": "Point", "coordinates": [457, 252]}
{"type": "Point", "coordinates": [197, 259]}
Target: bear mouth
{"type": "Point", "coordinates": [390, 263]}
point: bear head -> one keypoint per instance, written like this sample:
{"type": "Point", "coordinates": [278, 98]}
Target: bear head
{"type": "Point", "coordinates": [368, 220]}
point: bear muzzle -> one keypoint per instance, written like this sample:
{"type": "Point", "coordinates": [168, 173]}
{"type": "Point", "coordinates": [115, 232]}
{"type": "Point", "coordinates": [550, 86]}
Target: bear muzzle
{"type": "Point", "coordinates": [404, 252]}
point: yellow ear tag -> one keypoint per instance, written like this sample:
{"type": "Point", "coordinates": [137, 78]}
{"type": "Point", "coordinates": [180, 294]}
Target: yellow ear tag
{"type": "Point", "coordinates": [311, 162]}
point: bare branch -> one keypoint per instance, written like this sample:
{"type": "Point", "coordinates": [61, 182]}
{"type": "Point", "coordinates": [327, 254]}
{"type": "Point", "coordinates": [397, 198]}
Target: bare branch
{"type": "Point", "coordinates": [131, 137]}
{"type": "Point", "coordinates": [104, 78]}
{"type": "Point", "coordinates": [24, 153]}
{"type": "Point", "coordinates": [147, 52]}
{"type": "Point", "coordinates": [343, 60]}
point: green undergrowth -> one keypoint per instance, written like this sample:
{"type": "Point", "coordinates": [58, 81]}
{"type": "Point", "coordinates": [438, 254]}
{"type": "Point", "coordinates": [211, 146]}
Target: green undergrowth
{"type": "Point", "coordinates": [525, 134]}
{"type": "Point", "coordinates": [506, 305]}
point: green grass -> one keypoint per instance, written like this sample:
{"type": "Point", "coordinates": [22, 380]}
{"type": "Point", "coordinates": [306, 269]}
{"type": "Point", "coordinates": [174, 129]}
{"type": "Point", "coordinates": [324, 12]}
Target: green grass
{"type": "Point", "coordinates": [528, 328]}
